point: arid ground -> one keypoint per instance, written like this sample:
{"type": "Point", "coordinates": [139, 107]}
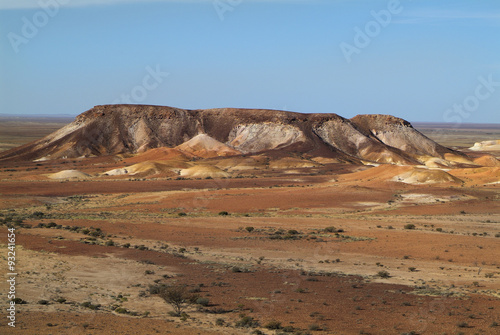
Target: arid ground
{"type": "Point", "coordinates": [283, 247]}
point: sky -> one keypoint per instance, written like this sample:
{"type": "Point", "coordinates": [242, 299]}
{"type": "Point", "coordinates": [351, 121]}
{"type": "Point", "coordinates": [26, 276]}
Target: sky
{"type": "Point", "coordinates": [421, 60]}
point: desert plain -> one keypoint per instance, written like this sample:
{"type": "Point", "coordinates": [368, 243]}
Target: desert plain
{"type": "Point", "coordinates": [269, 242]}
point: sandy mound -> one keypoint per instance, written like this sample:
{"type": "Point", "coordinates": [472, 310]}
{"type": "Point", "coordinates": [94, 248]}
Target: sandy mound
{"type": "Point", "coordinates": [424, 176]}
{"type": "Point", "coordinates": [204, 171]}
{"type": "Point", "coordinates": [457, 159]}
{"type": "Point", "coordinates": [379, 173]}
{"type": "Point", "coordinates": [242, 163]}
{"type": "Point", "coordinates": [483, 175]}
{"type": "Point", "coordinates": [292, 163]}
{"type": "Point", "coordinates": [487, 160]}
{"type": "Point", "coordinates": [486, 146]}
{"type": "Point", "coordinates": [149, 168]}
{"type": "Point", "coordinates": [435, 162]}
{"type": "Point", "coordinates": [205, 146]}
{"type": "Point", "coordinates": [159, 154]}
{"type": "Point", "coordinates": [69, 174]}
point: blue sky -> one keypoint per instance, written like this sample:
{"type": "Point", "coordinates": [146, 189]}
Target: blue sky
{"type": "Point", "coordinates": [425, 60]}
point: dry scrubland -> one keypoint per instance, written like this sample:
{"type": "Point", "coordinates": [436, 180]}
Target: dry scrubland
{"type": "Point", "coordinates": [266, 243]}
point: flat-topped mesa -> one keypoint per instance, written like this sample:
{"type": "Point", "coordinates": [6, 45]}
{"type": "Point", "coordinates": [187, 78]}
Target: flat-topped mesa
{"type": "Point", "coordinates": [118, 129]}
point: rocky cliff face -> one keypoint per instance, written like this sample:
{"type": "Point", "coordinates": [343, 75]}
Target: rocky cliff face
{"type": "Point", "coordinates": [117, 129]}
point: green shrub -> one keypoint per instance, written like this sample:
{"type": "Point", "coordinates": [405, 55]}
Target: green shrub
{"type": "Point", "coordinates": [383, 274]}
{"type": "Point", "coordinates": [203, 301]}
{"type": "Point", "coordinates": [273, 325]}
{"type": "Point", "coordinates": [19, 301]}
{"type": "Point", "coordinates": [246, 322]}
{"type": "Point", "coordinates": [314, 327]}
{"type": "Point", "coordinates": [88, 304]}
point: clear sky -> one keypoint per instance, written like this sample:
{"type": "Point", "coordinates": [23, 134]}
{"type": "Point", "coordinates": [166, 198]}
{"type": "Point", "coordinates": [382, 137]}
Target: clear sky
{"type": "Point", "coordinates": [427, 60]}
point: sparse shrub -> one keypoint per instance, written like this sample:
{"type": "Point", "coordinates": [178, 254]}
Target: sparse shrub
{"type": "Point", "coordinates": [61, 300]}
{"type": "Point", "coordinates": [223, 213]}
{"type": "Point", "coordinates": [406, 257]}
{"type": "Point", "coordinates": [38, 215]}
{"type": "Point", "coordinates": [110, 243]}
{"type": "Point", "coordinates": [409, 226]}
{"type": "Point", "coordinates": [314, 327]}
{"type": "Point", "coordinates": [273, 325]}
{"type": "Point", "coordinates": [293, 232]}
{"type": "Point", "coordinates": [126, 245]}
{"type": "Point", "coordinates": [494, 324]}
{"type": "Point", "coordinates": [249, 229]}
{"type": "Point", "coordinates": [246, 322]}
{"type": "Point", "coordinates": [156, 289]}
{"type": "Point", "coordinates": [203, 301]}
{"type": "Point", "coordinates": [88, 304]}
{"type": "Point", "coordinates": [19, 301]}
{"type": "Point", "coordinates": [439, 229]}
{"type": "Point", "coordinates": [182, 214]}
{"type": "Point", "coordinates": [121, 310]}
{"type": "Point", "coordinates": [390, 227]}
{"type": "Point", "coordinates": [383, 274]}
{"type": "Point", "coordinates": [412, 269]}
{"type": "Point", "coordinates": [220, 322]}
{"type": "Point", "coordinates": [330, 229]}
{"type": "Point", "coordinates": [462, 325]}
{"type": "Point", "coordinates": [196, 289]}
{"type": "Point", "coordinates": [43, 302]}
